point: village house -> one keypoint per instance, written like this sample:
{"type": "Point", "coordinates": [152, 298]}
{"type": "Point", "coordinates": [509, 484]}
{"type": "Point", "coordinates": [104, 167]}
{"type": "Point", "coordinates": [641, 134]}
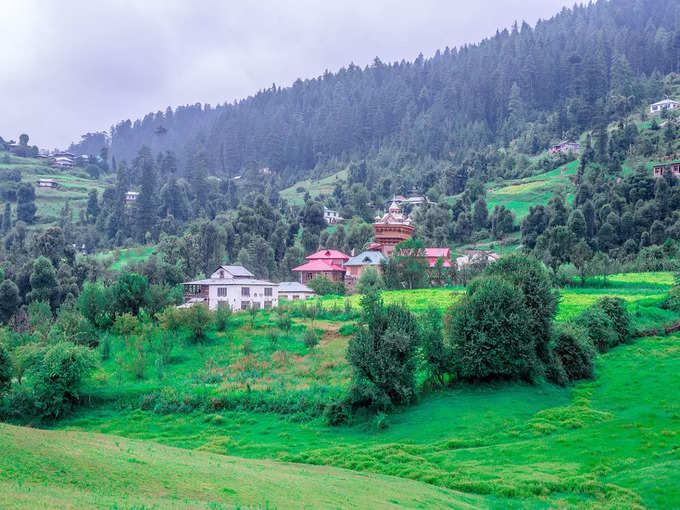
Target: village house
{"type": "Point", "coordinates": [666, 104]}
{"type": "Point", "coordinates": [390, 230]}
{"type": "Point", "coordinates": [564, 146]}
{"type": "Point", "coordinates": [62, 160]}
{"type": "Point", "coordinates": [47, 183]}
{"type": "Point", "coordinates": [671, 166]}
{"type": "Point", "coordinates": [232, 286]}
{"type": "Point", "coordinates": [293, 291]}
{"type": "Point", "coordinates": [326, 264]}
{"type": "Point", "coordinates": [434, 254]}
{"type": "Point", "coordinates": [357, 264]}
{"type": "Point", "coordinates": [476, 257]}
{"type": "Point", "coordinates": [131, 196]}
{"type": "Point", "coordinates": [332, 217]}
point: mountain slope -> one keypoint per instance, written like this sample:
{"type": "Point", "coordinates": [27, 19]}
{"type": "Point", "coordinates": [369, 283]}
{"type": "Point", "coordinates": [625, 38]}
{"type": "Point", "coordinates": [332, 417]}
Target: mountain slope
{"type": "Point", "coordinates": [585, 65]}
{"type": "Point", "coordinates": [41, 468]}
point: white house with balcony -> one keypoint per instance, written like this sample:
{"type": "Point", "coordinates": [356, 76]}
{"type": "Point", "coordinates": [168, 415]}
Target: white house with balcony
{"type": "Point", "coordinates": [666, 104]}
{"type": "Point", "coordinates": [232, 286]}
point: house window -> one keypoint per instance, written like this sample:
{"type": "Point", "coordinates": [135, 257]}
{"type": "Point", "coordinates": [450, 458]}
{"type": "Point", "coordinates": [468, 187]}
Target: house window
{"type": "Point", "coordinates": [221, 274]}
{"type": "Point", "coordinates": [310, 276]}
{"type": "Point", "coordinates": [268, 291]}
{"type": "Point", "coordinates": [245, 291]}
{"type": "Point", "coordinates": [296, 297]}
{"type": "Point", "coordinates": [221, 291]}
{"type": "Point", "coordinates": [245, 305]}
{"type": "Point", "coordinates": [267, 304]}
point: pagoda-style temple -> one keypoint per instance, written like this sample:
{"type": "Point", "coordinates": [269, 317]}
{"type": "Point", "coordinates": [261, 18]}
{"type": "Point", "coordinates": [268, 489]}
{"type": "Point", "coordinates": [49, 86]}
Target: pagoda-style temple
{"type": "Point", "coordinates": [390, 230]}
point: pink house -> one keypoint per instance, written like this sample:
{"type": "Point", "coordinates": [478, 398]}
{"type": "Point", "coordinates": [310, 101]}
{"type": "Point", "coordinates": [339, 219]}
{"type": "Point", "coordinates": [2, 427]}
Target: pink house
{"type": "Point", "coordinates": [325, 263]}
{"type": "Point", "coordinates": [434, 254]}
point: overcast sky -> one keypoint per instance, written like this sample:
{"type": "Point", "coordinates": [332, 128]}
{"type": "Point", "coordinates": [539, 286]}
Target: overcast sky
{"type": "Point", "coordinates": [72, 66]}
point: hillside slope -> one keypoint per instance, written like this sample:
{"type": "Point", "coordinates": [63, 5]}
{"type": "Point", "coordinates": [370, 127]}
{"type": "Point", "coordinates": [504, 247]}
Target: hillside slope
{"type": "Point", "coordinates": [41, 469]}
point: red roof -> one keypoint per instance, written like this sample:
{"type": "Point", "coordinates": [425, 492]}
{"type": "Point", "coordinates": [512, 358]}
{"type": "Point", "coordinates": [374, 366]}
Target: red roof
{"type": "Point", "coordinates": [318, 266]}
{"type": "Point", "coordinates": [437, 252]}
{"type": "Point", "coordinates": [327, 255]}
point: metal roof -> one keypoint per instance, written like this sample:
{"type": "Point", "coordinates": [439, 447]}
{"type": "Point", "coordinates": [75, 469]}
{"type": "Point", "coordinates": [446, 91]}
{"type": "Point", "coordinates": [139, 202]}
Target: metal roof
{"type": "Point", "coordinates": [371, 258]}
{"type": "Point", "coordinates": [231, 281]}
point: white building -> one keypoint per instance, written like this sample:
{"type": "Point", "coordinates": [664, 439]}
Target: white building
{"type": "Point", "coordinates": [294, 290]}
{"type": "Point", "coordinates": [332, 217]}
{"type": "Point", "coordinates": [232, 286]}
{"type": "Point", "coordinates": [131, 196]}
{"type": "Point", "coordinates": [666, 104]}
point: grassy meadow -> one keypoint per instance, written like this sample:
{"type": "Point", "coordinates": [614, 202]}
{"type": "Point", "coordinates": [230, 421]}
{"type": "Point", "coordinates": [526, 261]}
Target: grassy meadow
{"type": "Point", "coordinates": [314, 187]}
{"type": "Point", "coordinates": [238, 421]}
{"type": "Point", "coordinates": [73, 186]}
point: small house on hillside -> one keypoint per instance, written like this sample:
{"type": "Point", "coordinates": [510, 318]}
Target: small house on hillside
{"type": "Point", "coordinates": [666, 104]}
{"type": "Point", "coordinates": [62, 161]}
{"type": "Point", "coordinates": [131, 196]}
{"type": "Point", "coordinates": [564, 146]}
{"type": "Point", "coordinates": [332, 217]}
{"type": "Point", "coordinates": [356, 265]}
{"type": "Point", "coordinates": [325, 263]}
{"type": "Point", "coordinates": [232, 286]}
{"type": "Point", "coordinates": [47, 183]}
{"type": "Point", "coordinates": [672, 166]}
{"type": "Point", "coordinates": [293, 291]}
{"type": "Point", "coordinates": [476, 257]}
{"type": "Point", "coordinates": [434, 254]}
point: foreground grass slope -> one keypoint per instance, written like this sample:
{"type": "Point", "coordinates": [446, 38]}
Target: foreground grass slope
{"type": "Point", "coordinates": [609, 443]}
{"type": "Point", "coordinates": [41, 469]}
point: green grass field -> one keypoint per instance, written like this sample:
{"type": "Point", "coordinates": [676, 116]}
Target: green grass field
{"type": "Point", "coordinates": [47, 469]}
{"type": "Point", "coordinates": [73, 186]}
{"type": "Point", "coordinates": [313, 187]}
{"type": "Point", "coordinates": [609, 443]}
{"type": "Point", "coordinates": [613, 442]}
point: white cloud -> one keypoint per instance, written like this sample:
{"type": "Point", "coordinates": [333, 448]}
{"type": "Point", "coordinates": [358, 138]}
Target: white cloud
{"type": "Point", "coordinates": [74, 66]}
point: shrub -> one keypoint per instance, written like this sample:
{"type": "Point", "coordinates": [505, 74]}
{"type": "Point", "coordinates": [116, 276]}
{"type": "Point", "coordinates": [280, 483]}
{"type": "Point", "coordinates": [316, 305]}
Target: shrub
{"type": "Point", "coordinates": [58, 377]}
{"type": "Point", "coordinates": [97, 305]}
{"type": "Point", "coordinates": [347, 329]}
{"type": "Point", "coordinates": [311, 338]}
{"type": "Point", "coordinates": [284, 321]}
{"type": "Point", "coordinates": [73, 326]}
{"type": "Point", "coordinates": [370, 280]}
{"type": "Point", "coordinates": [574, 350]}
{"type": "Point", "coordinates": [616, 310]}
{"type": "Point", "coordinates": [222, 316]}
{"type": "Point", "coordinates": [599, 328]}
{"type": "Point", "coordinates": [171, 319]}
{"type": "Point", "coordinates": [338, 413]}
{"type": "Point", "coordinates": [436, 353]}
{"type": "Point", "coordinates": [196, 319]}
{"type": "Point", "coordinates": [490, 331]}
{"type": "Point", "coordinates": [541, 300]}
{"type": "Point", "coordinates": [324, 287]}
{"type": "Point", "coordinates": [383, 355]}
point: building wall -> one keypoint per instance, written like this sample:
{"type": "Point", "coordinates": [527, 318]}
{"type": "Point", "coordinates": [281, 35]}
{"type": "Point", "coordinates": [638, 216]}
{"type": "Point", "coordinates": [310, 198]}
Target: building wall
{"type": "Point", "coordinates": [293, 296]}
{"type": "Point", "coordinates": [236, 300]}
{"type": "Point", "coordinates": [334, 276]}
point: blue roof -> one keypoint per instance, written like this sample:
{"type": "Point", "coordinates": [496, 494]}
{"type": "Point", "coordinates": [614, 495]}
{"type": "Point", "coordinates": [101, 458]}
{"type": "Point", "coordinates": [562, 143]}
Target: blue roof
{"type": "Point", "coordinates": [366, 258]}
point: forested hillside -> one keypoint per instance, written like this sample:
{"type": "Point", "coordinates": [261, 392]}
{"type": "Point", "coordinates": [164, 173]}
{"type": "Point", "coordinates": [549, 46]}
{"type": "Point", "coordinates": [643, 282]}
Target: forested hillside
{"type": "Point", "coordinates": [583, 67]}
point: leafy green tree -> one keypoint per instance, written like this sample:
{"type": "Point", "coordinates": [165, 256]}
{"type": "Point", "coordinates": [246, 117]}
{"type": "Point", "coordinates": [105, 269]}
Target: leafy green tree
{"type": "Point", "coordinates": [502, 221]}
{"type": "Point", "coordinates": [58, 378]}
{"type": "Point", "coordinates": [575, 351]}
{"type": "Point", "coordinates": [490, 332]}
{"type": "Point", "coordinates": [580, 256]}
{"type": "Point", "coordinates": [97, 304]}
{"type": "Point", "coordinates": [480, 214]}
{"type": "Point", "coordinates": [197, 319]}
{"type": "Point", "coordinates": [437, 353]}
{"type": "Point", "coordinates": [577, 224]}
{"type": "Point", "coordinates": [9, 300]}
{"type": "Point", "coordinates": [43, 281]}
{"type": "Point", "coordinates": [131, 293]}
{"type": "Point", "coordinates": [409, 258]}
{"type": "Point", "coordinates": [26, 203]}
{"type": "Point", "coordinates": [532, 279]}
{"type": "Point", "coordinates": [383, 355]}
{"type": "Point", "coordinates": [370, 281]}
